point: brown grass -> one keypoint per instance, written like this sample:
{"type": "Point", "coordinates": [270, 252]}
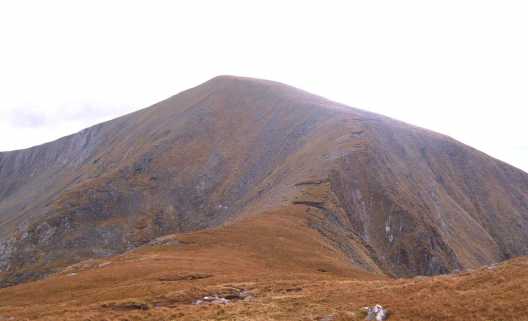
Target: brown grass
{"type": "Point", "coordinates": [275, 257]}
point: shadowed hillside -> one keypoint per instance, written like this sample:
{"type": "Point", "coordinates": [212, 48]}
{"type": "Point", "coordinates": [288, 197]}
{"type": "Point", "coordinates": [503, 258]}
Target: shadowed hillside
{"type": "Point", "coordinates": [390, 198]}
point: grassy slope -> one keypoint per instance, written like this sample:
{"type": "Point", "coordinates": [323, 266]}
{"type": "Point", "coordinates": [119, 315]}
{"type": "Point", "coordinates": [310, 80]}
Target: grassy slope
{"type": "Point", "coordinates": [278, 258]}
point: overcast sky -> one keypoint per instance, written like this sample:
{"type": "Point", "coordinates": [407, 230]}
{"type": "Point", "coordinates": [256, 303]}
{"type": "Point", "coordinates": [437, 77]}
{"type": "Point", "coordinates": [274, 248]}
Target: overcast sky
{"type": "Point", "coordinates": [456, 67]}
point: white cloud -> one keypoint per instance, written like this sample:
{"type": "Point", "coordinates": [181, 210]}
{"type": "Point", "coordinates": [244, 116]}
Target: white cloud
{"type": "Point", "coordinates": [457, 67]}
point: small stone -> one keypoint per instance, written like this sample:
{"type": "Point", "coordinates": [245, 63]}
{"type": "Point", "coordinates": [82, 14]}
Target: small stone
{"type": "Point", "coordinates": [376, 313]}
{"type": "Point", "coordinates": [220, 301]}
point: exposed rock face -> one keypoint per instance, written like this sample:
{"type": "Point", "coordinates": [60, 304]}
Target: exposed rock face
{"type": "Point", "coordinates": [391, 196]}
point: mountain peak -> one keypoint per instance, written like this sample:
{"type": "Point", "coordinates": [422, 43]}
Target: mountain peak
{"type": "Point", "coordinates": [391, 198]}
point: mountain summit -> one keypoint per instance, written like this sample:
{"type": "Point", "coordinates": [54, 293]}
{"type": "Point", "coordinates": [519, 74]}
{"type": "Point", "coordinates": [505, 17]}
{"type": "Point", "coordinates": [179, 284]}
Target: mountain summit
{"type": "Point", "coordinates": [391, 198]}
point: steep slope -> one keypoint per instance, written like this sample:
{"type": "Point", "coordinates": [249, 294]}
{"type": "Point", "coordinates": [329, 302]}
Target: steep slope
{"type": "Point", "coordinates": [388, 195]}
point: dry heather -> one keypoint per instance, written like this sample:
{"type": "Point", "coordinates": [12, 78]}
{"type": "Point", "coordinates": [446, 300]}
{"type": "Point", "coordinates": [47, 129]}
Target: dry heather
{"type": "Point", "coordinates": [288, 270]}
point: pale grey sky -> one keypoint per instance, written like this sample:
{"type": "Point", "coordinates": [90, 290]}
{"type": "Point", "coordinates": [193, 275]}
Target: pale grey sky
{"type": "Point", "coordinates": [456, 67]}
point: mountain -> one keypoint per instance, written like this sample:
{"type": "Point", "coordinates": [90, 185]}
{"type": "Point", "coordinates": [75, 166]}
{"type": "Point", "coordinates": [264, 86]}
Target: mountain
{"type": "Point", "coordinates": [384, 197]}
